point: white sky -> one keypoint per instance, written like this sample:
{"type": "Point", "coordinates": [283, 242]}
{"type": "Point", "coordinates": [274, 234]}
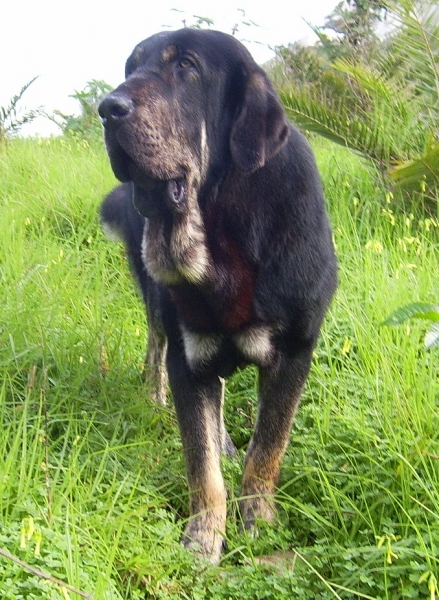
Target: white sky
{"type": "Point", "coordinates": [70, 42]}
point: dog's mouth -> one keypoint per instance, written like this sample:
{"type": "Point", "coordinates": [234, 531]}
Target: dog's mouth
{"type": "Point", "coordinates": [155, 191]}
{"type": "Point", "coordinates": [154, 197]}
{"type": "Point", "coordinates": [176, 190]}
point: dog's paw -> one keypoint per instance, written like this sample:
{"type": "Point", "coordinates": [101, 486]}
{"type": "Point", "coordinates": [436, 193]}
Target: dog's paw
{"type": "Point", "coordinates": [257, 508]}
{"type": "Point", "coordinates": [204, 540]}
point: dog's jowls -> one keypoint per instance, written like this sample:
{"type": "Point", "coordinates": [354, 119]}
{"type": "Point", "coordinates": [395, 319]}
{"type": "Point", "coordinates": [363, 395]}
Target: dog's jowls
{"type": "Point", "coordinates": [222, 214]}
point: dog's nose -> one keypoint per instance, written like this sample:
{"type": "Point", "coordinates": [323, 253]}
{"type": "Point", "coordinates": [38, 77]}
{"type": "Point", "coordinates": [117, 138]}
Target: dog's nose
{"type": "Point", "coordinates": [114, 108]}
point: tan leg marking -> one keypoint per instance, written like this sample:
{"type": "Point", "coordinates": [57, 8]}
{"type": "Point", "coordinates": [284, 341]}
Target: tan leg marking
{"type": "Point", "coordinates": [204, 533]}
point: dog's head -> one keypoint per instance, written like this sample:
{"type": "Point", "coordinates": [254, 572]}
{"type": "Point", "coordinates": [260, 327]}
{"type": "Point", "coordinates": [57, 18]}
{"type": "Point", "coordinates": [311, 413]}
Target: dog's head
{"type": "Point", "coordinates": [194, 104]}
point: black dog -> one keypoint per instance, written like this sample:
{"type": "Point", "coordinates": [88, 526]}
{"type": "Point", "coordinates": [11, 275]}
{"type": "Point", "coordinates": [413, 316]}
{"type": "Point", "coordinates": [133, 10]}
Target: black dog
{"type": "Point", "coordinates": [233, 243]}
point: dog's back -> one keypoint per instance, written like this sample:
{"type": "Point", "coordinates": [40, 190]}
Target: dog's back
{"type": "Point", "coordinates": [122, 223]}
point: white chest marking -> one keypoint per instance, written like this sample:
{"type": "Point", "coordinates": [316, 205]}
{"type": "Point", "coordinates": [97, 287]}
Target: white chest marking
{"type": "Point", "coordinates": [199, 348]}
{"type": "Point", "coordinates": [254, 344]}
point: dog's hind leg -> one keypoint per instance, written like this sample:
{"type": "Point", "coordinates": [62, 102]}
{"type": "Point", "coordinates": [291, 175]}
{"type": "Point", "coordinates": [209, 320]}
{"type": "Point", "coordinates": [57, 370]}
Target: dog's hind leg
{"type": "Point", "coordinates": [155, 374]}
{"type": "Point", "coordinates": [280, 388]}
{"type": "Point", "coordinates": [227, 445]}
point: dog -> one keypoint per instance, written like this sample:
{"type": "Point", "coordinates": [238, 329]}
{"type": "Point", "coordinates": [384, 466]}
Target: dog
{"type": "Point", "coordinates": [222, 212]}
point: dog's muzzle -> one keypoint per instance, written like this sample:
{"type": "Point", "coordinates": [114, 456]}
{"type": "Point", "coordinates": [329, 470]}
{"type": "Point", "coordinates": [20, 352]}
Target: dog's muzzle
{"type": "Point", "coordinates": [154, 192]}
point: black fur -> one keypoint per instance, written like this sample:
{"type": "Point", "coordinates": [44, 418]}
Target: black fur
{"type": "Point", "coordinates": [231, 247]}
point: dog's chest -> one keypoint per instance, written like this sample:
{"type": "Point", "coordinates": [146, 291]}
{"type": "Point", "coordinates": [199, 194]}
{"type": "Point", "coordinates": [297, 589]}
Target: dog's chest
{"type": "Point", "coordinates": [252, 345]}
{"type": "Point", "coordinates": [222, 304]}
{"type": "Point", "coordinates": [204, 267]}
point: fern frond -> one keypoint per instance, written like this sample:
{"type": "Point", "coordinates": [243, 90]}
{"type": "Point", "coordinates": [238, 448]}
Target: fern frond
{"type": "Point", "coordinates": [416, 42]}
{"type": "Point", "coordinates": [418, 172]}
{"type": "Point", "coordinates": [363, 131]}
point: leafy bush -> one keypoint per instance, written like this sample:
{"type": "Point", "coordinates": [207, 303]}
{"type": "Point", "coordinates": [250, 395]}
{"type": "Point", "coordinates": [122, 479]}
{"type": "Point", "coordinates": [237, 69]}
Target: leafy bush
{"type": "Point", "coordinates": [86, 125]}
{"type": "Point", "coordinates": [382, 103]}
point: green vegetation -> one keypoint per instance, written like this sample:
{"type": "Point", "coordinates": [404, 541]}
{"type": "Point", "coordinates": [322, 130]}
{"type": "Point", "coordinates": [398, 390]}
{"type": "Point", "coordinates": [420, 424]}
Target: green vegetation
{"type": "Point", "coordinates": [86, 125]}
{"type": "Point", "coordinates": [379, 97]}
{"type": "Point", "coordinates": [93, 495]}
{"type": "Point", "coordinates": [92, 484]}
{"type": "Point", "coordinates": [419, 310]}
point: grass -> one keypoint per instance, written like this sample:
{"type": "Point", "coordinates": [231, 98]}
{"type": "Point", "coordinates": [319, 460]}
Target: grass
{"type": "Point", "coordinates": [92, 486]}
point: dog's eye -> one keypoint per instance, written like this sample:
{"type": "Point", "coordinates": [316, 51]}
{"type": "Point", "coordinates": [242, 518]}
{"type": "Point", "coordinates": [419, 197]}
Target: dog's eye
{"type": "Point", "coordinates": [185, 63]}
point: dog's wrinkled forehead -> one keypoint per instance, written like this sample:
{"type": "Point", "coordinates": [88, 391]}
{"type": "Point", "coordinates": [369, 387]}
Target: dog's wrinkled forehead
{"type": "Point", "coordinates": [214, 47]}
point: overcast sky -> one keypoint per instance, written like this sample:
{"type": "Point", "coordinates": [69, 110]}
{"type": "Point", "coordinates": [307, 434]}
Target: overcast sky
{"type": "Point", "coordinates": [69, 42]}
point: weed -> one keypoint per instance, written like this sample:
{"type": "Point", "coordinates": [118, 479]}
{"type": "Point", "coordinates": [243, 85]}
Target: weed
{"type": "Point", "coordinates": [11, 121]}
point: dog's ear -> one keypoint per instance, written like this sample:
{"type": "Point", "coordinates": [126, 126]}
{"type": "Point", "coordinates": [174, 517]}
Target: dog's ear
{"type": "Point", "coordinates": [261, 128]}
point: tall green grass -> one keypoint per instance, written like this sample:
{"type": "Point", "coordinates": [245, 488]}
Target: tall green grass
{"type": "Point", "coordinates": [92, 486]}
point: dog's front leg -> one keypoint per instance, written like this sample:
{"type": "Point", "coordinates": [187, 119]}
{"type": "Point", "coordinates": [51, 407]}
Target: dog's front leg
{"type": "Point", "coordinates": [280, 388]}
{"type": "Point", "coordinates": [198, 404]}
